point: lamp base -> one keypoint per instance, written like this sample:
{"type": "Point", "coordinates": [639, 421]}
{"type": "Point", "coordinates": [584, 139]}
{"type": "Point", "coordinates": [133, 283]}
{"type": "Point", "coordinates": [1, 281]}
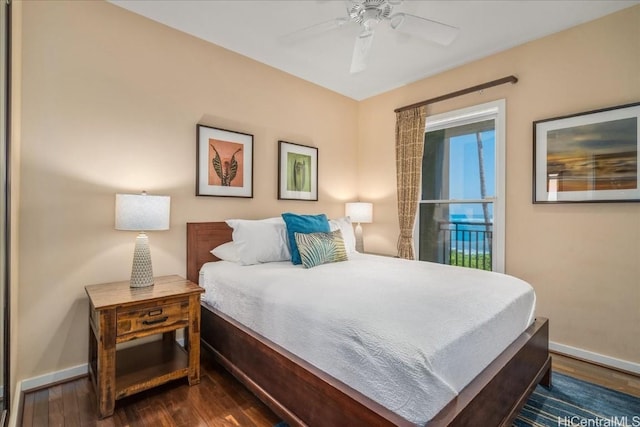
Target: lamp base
{"type": "Point", "coordinates": [359, 240]}
{"type": "Point", "coordinates": [142, 270]}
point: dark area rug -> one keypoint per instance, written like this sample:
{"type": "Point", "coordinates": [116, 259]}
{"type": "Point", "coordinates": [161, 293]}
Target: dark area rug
{"type": "Point", "coordinates": [572, 402]}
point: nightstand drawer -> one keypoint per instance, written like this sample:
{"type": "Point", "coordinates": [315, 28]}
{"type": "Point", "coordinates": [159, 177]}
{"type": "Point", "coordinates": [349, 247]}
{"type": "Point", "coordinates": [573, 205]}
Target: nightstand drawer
{"type": "Point", "coordinates": [147, 317]}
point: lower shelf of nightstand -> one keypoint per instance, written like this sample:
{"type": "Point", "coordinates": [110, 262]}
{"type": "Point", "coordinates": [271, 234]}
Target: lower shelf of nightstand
{"type": "Point", "coordinates": [148, 365]}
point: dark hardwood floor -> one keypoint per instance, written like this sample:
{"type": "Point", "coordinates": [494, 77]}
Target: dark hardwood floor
{"type": "Point", "coordinates": [219, 400]}
{"type": "Point", "coordinates": [596, 374]}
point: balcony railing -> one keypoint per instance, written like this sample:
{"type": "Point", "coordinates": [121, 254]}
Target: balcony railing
{"type": "Point", "coordinates": [465, 244]}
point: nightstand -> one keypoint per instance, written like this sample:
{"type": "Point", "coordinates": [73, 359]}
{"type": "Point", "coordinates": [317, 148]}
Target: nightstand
{"type": "Point", "coordinates": [119, 313]}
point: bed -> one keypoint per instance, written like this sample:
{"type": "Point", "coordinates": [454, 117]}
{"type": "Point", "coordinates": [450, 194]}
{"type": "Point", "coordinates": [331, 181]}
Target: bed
{"type": "Point", "coordinates": [302, 394]}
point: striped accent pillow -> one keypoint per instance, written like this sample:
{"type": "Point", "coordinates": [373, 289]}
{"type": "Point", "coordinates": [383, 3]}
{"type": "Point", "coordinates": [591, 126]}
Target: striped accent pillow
{"type": "Point", "coordinates": [321, 248]}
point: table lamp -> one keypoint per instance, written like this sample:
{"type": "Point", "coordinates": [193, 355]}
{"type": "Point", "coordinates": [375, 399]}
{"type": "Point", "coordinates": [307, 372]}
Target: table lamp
{"type": "Point", "coordinates": [359, 212]}
{"type": "Point", "coordinates": [142, 212]}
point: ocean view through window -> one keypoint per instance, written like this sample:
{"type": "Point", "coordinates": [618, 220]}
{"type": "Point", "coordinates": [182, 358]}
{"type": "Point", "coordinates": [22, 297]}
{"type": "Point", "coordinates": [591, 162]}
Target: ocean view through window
{"type": "Point", "coordinates": [461, 213]}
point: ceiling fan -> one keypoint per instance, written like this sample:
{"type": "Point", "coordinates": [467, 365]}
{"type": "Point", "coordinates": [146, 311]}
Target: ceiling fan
{"type": "Point", "coordinates": [368, 14]}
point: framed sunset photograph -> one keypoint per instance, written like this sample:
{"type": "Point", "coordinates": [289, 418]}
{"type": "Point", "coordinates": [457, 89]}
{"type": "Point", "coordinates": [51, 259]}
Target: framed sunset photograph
{"type": "Point", "coordinates": [297, 172]}
{"type": "Point", "coordinates": [588, 157]}
{"type": "Point", "coordinates": [224, 163]}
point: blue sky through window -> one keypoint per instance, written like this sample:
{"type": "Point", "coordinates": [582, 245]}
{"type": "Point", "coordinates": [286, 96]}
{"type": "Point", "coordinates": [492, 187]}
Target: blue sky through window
{"type": "Point", "coordinates": [464, 172]}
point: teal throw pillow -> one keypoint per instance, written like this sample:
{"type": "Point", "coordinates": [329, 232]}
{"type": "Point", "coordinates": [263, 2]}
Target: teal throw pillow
{"type": "Point", "coordinates": [303, 224]}
{"type": "Point", "coordinates": [321, 248]}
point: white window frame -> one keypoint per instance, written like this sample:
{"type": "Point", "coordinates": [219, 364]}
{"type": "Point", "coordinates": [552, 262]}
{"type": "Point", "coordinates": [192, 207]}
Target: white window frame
{"type": "Point", "coordinates": [490, 110]}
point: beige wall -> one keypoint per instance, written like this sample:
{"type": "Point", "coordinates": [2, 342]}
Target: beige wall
{"type": "Point", "coordinates": [582, 259]}
{"type": "Point", "coordinates": [110, 103]}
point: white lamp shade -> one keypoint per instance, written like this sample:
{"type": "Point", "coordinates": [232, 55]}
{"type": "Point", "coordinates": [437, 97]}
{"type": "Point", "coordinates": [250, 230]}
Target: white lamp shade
{"type": "Point", "coordinates": [359, 212]}
{"type": "Point", "coordinates": [142, 212]}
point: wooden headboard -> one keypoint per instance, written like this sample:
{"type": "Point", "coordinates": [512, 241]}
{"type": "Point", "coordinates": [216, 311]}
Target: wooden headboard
{"type": "Point", "coordinates": [201, 238]}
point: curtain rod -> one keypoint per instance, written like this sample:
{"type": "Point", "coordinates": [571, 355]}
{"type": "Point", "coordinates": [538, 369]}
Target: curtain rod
{"type": "Point", "coordinates": [510, 79]}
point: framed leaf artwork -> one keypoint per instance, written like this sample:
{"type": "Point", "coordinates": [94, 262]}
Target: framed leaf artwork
{"type": "Point", "coordinates": [297, 172]}
{"type": "Point", "coordinates": [224, 163]}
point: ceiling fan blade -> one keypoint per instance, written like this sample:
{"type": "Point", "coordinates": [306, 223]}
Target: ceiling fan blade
{"type": "Point", "coordinates": [313, 30]}
{"type": "Point", "coordinates": [425, 28]}
{"type": "Point", "coordinates": [361, 51]}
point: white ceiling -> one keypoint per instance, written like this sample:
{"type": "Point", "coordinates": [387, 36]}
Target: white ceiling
{"type": "Point", "coordinates": [255, 29]}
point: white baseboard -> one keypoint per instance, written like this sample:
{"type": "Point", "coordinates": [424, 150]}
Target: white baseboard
{"type": "Point", "coordinates": [62, 375]}
{"type": "Point", "coordinates": [54, 377]}
{"type": "Point", "coordinates": [600, 359]}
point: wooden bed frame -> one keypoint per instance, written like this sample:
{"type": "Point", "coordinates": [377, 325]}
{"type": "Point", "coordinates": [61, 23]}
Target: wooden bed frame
{"type": "Point", "coordinates": [303, 395]}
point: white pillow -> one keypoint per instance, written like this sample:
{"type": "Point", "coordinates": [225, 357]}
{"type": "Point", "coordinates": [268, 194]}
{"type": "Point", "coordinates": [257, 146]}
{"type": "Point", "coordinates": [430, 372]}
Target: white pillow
{"type": "Point", "coordinates": [344, 225]}
{"type": "Point", "coordinates": [272, 220]}
{"type": "Point", "coordinates": [227, 252]}
{"type": "Point", "coordinates": [258, 241]}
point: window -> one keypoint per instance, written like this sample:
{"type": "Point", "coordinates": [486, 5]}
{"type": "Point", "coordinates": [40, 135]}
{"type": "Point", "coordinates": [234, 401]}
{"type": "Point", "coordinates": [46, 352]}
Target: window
{"type": "Point", "coordinates": [461, 215]}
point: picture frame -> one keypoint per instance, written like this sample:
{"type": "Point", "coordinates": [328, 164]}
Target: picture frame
{"type": "Point", "coordinates": [297, 172]}
{"type": "Point", "coordinates": [588, 157]}
{"type": "Point", "coordinates": [224, 162]}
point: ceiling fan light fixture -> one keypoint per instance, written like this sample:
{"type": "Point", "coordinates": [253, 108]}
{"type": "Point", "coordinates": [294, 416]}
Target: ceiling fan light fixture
{"type": "Point", "coordinates": [369, 11]}
{"type": "Point", "coordinates": [370, 18]}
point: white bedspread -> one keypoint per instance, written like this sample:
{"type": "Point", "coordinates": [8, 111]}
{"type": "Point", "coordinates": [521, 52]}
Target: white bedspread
{"type": "Point", "coordinates": [410, 335]}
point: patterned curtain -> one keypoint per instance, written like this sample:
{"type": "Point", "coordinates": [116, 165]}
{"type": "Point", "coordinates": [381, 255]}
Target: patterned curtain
{"type": "Point", "coordinates": [409, 148]}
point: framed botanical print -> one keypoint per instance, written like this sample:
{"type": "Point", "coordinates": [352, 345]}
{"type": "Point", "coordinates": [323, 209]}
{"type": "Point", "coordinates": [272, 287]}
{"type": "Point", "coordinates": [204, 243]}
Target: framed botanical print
{"type": "Point", "coordinates": [297, 172]}
{"type": "Point", "coordinates": [588, 157]}
{"type": "Point", "coordinates": [224, 163]}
